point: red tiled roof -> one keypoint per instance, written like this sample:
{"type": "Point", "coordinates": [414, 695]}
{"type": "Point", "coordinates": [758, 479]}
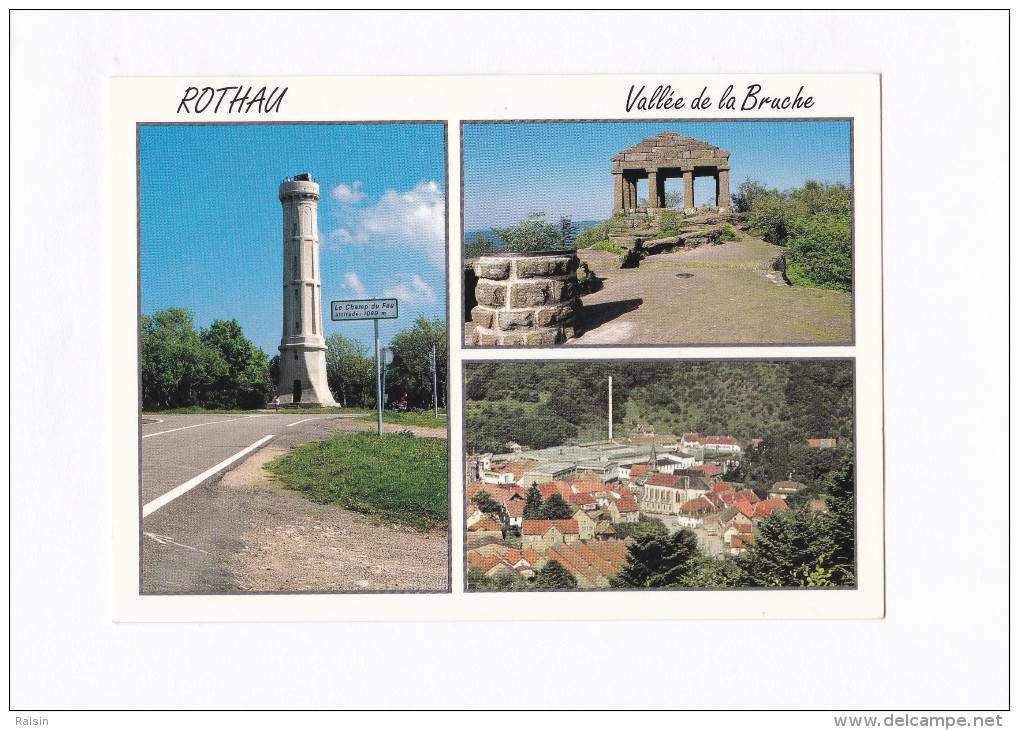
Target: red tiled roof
{"type": "Point", "coordinates": [742, 541]}
{"type": "Point", "coordinates": [720, 441]}
{"type": "Point", "coordinates": [626, 503]}
{"type": "Point", "coordinates": [594, 560]}
{"type": "Point", "coordinates": [709, 470]}
{"type": "Point", "coordinates": [549, 488]}
{"type": "Point", "coordinates": [746, 508]}
{"type": "Point", "coordinates": [765, 508]}
{"type": "Point", "coordinates": [821, 443]}
{"type": "Point", "coordinates": [531, 555]}
{"type": "Point", "coordinates": [689, 437]}
{"type": "Point", "coordinates": [486, 562]}
{"type": "Point", "coordinates": [663, 480]}
{"type": "Point", "coordinates": [721, 487]}
{"type": "Point", "coordinates": [583, 499]}
{"type": "Point", "coordinates": [487, 524]}
{"type": "Point", "coordinates": [586, 486]}
{"type": "Point", "coordinates": [516, 466]}
{"type": "Point", "coordinates": [749, 496]}
{"type": "Point", "coordinates": [540, 527]}
{"type": "Point", "coordinates": [696, 505]}
{"type": "Point", "coordinates": [515, 508]}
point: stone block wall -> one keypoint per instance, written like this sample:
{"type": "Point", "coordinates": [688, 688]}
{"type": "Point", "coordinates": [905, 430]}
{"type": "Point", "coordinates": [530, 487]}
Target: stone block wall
{"type": "Point", "coordinates": [526, 299]}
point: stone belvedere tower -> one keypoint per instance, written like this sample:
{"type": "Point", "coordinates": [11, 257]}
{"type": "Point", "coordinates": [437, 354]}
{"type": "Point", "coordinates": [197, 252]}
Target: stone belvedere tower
{"type": "Point", "coordinates": [303, 349]}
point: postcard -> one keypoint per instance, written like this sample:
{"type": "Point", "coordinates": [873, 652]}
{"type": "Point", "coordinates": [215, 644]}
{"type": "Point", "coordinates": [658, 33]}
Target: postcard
{"type": "Point", "coordinates": [497, 348]}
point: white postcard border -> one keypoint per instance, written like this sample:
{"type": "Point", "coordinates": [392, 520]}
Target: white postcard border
{"type": "Point", "coordinates": [456, 99]}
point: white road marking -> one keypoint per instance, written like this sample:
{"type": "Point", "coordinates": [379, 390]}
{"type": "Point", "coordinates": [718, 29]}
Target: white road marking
{"type": "Point", "coordinates": [196, 425]}
{"type": "Point", "coordinates": [164, 540]}
{"type": "Point", "coordinates": [303, 420]}
{"type": "Point", "coordinates": [192, 483]}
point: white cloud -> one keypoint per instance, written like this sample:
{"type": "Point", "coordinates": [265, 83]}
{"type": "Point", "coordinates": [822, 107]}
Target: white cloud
{"type": "Point", "coordinates": [348, 194]}
{"type": "Point", "coordinates": [353, 282]}
{"type": "Point", "coordinates": [415, 218]}
{"type": "Point", "coordinates": [417, 291]}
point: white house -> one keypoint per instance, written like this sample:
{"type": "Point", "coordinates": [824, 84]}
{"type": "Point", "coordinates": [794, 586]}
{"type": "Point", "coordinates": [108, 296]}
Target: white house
{"type": "Point", "coordinates": [722, 445]}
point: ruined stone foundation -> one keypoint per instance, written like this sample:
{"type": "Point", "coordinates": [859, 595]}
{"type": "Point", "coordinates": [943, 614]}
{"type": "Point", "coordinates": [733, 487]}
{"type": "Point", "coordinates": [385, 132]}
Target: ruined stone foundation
{"type": "Point", "coordinates": [526, 298]}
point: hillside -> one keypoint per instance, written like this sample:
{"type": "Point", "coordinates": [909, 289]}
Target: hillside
{"type": "Point", "coordinates": [545, 403]}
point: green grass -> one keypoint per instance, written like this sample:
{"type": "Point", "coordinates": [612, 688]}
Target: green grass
{"type": "Point", "coordinates": [410, 418]}
{"type": "Point", "coordinates": [607, 246]}
{"type": "Point", "coordinates": [728, 233]}
{"type": "Point", "coordinates": [398, 477]}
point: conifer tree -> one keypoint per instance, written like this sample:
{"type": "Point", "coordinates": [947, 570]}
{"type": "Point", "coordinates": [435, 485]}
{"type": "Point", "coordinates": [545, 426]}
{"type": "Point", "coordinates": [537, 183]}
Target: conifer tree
{"type": "Point", "coordinates": [657, 561]}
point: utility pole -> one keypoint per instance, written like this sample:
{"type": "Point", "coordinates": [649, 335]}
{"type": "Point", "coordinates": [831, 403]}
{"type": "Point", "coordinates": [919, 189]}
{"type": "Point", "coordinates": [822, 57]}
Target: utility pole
{"type": "Point", "coordinates": [610, 408]}
{"type": "Point", "coordinates": [435, 381]}
{"type": "Point", "coordinates": [378, 377]}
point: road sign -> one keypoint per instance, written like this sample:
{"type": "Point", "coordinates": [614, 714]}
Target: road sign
{"type": "Point", "coordinates": [364, 309]}
{"type": "Point", "coordinates": [387, 355]}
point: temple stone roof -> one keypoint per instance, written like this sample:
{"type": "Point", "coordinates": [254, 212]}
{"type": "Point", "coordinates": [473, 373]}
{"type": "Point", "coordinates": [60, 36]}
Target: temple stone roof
{"type": "Point", "coordinates": [670, 149]}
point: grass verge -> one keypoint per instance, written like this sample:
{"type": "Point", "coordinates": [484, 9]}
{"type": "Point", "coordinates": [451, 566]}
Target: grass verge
{"type": "Point", "coordinates": [398, 477]}
{"type": "Point", "coordinates": [410, 418]}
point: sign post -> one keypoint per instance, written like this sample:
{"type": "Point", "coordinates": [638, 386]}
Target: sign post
{"type": "Point", "coordinates": [369, 309]}
{"type": "Point", "coordinates": [435, 381]}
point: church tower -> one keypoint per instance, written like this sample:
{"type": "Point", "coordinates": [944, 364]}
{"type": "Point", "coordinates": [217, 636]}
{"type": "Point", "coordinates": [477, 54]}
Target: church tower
{"type": "Point", "coordinates": [303, 348]}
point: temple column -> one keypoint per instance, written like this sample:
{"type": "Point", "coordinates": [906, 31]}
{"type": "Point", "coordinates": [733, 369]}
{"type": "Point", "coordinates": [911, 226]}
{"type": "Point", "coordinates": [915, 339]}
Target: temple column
{"type": "Point", "coordinates": [652, 189]}
{"type": "Point", "coordinates": [618, 197]}
{"type": "Point", "coordinates": [688, 189]}
{"type": "Point", "coordinates": [722, 189]}
{"type": "Point", "coordinates": [631, 194]}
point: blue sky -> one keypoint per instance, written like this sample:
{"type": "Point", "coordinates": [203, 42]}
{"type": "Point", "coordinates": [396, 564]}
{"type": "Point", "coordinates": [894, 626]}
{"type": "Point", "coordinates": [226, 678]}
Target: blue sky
{"type": "Point", "coordinates": [212, 224]}
{"type": "Point", "coordinates": [564, 168]}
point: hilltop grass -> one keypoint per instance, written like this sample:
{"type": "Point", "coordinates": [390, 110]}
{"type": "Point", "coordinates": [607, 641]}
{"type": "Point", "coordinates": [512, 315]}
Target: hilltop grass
{"type": "Point", "coordinates": [409, 418]}
{"type": "Point", "coordinates": [398, 477]}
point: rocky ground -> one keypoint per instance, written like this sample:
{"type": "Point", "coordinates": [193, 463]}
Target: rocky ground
{"type": "Point", "coordinates": [727, 293]}
{"type": "Point", "coordinates": [704, 293]}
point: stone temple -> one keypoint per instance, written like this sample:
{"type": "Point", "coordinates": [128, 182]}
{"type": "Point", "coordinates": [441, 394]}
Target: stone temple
{"type": "Point", "coordinates": [668, 155]}
{"type": "Point", "coordinates": [303, 348]}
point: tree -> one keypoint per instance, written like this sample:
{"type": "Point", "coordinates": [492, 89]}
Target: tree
{"type": "Point", "coordinates": [657, 561]}
{"type": "Point", "coordinates": [533, 234]}
{"type": "Point", "coordinates": [556, 508]}
{"type": "Point", "coordinates": [274, 370]}
{"type": "Point", "coordinates": [674, 199]}
{"type": "Point", "coordinates": [532, 507]}
{"type": "Point", "coordinates": [350, 371]}
{"type": "Point", "coordinates": [749, 193]}
{"type": "Point", "coordinates": [240, 376]}
{"type": "Point", "coordinates": [480, 244]}
{"type": "Point", "coordinates": [554, 576]}
{"type": "Point", "coordinates": [791, 548]}
{"type": "Point", "coordinates": [177, 368]}
{"type": "Point", "coordinates": [485, 502]}
{"type": "Point", "coordinates": [410, 372]}
{"type": "Point", "coordinates": [478, 581]}
{"type": "Point", "coordinates": [568, 232]}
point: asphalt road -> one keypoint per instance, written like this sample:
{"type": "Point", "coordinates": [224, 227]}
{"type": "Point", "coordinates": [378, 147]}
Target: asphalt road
{"type": "Point", "coordinates": [188, 521]}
